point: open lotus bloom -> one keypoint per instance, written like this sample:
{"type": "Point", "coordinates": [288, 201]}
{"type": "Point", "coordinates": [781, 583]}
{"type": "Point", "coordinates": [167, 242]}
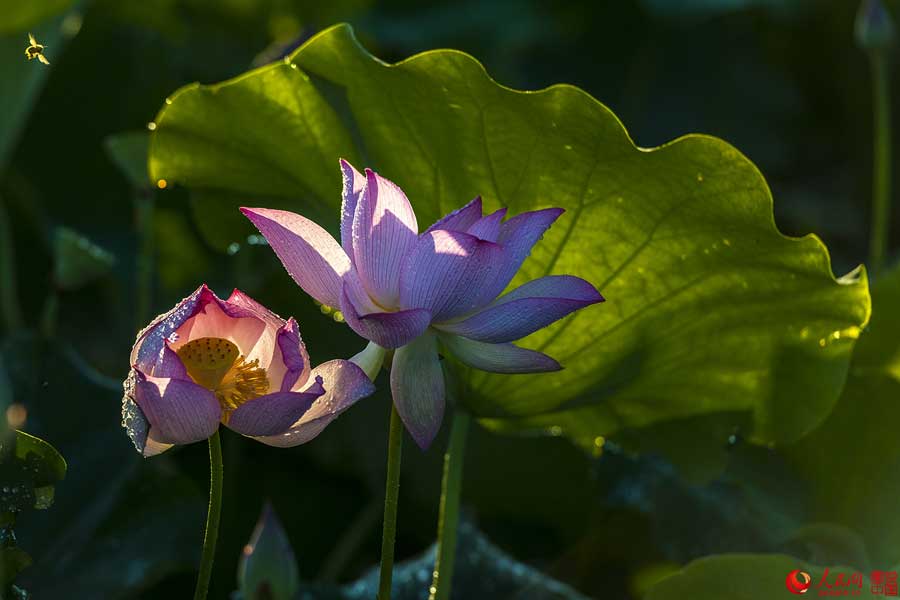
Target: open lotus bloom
{"type": "Point", "coordinates": [408, 291]}
{"type": "Point", "coordinates": [209, 361]}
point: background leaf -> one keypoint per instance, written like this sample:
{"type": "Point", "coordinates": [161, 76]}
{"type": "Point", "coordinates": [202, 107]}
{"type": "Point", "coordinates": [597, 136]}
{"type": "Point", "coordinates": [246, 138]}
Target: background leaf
{"type": "Point", "coordinates": [77, 260]}
{"type": "Point", "coordinates": [746, 577]}
{"type": "Point", "coordinates": [852, 461]}
{"type": "Point", "coordinates": [706, 299]}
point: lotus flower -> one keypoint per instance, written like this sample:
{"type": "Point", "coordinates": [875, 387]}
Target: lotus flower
{"type": "Point", "coordinates": [408, 291]}
{"type": "Point", "coordinates": [210, 361]}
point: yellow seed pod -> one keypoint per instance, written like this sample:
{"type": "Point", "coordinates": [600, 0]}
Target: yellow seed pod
{"type": "Point", "coordinates": [207, 360]}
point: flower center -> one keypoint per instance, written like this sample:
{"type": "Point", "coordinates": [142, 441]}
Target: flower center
{"type": "Point", "coordinates": [218, 365]}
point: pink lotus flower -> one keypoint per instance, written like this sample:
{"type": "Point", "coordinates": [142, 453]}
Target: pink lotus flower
{"type": "Point", "coordinates": [408, 291]}
{"type": "Point", "coordinates": [210, 361]}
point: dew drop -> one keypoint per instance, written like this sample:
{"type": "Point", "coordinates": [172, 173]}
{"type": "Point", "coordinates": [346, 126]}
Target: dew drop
{"type": "Point", "coordinates": [233, 248]}
{"type": "Point", "coordinates": [168, 101]}
{"type": "Point", "coordinates": [700, 177]}
{"type": "Point", "coordinates": [151, 126]}
{"type": "Point", "coordinates": [162, 184]}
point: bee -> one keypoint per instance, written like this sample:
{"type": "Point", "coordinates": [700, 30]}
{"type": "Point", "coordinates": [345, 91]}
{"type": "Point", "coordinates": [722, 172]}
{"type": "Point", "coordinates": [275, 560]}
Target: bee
{"type": "Point", "coordinates": [35, 50]}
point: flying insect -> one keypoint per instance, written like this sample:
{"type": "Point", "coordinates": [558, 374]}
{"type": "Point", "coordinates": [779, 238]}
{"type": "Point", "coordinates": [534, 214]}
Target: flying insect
{"type": "Point", "coordinates": [35, 50]}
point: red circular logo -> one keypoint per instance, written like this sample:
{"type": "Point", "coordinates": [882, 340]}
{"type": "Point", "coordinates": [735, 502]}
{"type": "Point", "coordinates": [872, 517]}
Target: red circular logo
{"type": "Point", "coordinates": [797, 582]}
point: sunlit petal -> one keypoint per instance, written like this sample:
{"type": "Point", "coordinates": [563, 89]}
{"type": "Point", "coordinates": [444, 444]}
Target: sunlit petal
{"type": "Point", "coordinates": [384, 230]}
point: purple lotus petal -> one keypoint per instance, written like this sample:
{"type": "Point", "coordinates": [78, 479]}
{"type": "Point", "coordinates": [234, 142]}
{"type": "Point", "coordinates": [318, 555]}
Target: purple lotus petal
{"type": "Point", "coordinates": [266, 348]}
{"type": "Point", "coordinates": [345, 385]}
{"type": "Point", "coordinates": [290, 362]}
{"type": "Point", "coordinates": [488, 227]}
{"type": "Point", "coordinates": [170, 366]}
{"type": "Point", "coordinates": [526, 309]}
{"type": "Point", "coordinates": [273, 413]}
{"type": "Point", "coordinates": [354, 184]}
{"type": "Point", "coordinates": [387, 329]}
{"type": "Point", "coordinates": [461, 218]}
{"type": "Point", "coordinates": [180, 411]}
{"type": "Point", "coordinates": [147, 353]}
{"type": "Point", "coordinates": [447, 271]}
{"type": "Point", "coordinates": [498, 358]}
{"type": "Point", "coordinates": [384, 230]}
{"type": "Point", "coordinates": [309, 254]}
{"type": "Point", "coordinates": [238, 300]}
{"type": "Point", "coordinates": [518, 235]}
{"type": "Point", "coordinates": [417, 384]}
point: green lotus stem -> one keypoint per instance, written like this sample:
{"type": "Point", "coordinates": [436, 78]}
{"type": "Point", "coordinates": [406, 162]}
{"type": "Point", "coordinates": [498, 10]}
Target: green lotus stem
{"type": "Point", "coordinates": [881, 175]}
{"type": "Point", "coordinates": [212, 517]}
{"type": "Point", "coordinates": [391, 493]}
{"type": "Point", "coordinates": [448, 518]}
{"type": "Point", "coordinates": [10, 309]}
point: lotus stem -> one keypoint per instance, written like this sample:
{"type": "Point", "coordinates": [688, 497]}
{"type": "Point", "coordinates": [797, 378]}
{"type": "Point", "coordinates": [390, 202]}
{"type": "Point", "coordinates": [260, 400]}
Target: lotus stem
{"type": "Point", "coordinates": [448, 518]}
{"type": "Point", "coordinates": [212, 517]}
{"type": "Point", "coordinates": [881, 175]}
{"type": "Point", "coordinates": [10, 309]}
{"type": "Point", "coordinates": [391, 494]}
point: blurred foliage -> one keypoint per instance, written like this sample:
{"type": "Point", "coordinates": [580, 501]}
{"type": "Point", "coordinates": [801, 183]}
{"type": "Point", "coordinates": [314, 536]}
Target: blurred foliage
{"type": "Point", "coordinates": [483, 571]}
{"type": "Point", "coordinates": [52, 28]}
{"type": "Point", "coordinates": [77, 261]}
{"type": "Point", "coordinates": [755, 576]}
{"type": "Point", "coordinates": [129, 152]}
{"type": "Point", "coordinates": [785, 86]}
{"type": "Point", "coordinates": [852, 460]}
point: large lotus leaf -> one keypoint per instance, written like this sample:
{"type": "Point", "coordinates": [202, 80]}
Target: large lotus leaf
{"type": "Point", "coordinates": [710, 310]}
{"type": "Point", "coordinates": [757, 576]}
{"type": "Point", "coordinates": [853, 460]}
